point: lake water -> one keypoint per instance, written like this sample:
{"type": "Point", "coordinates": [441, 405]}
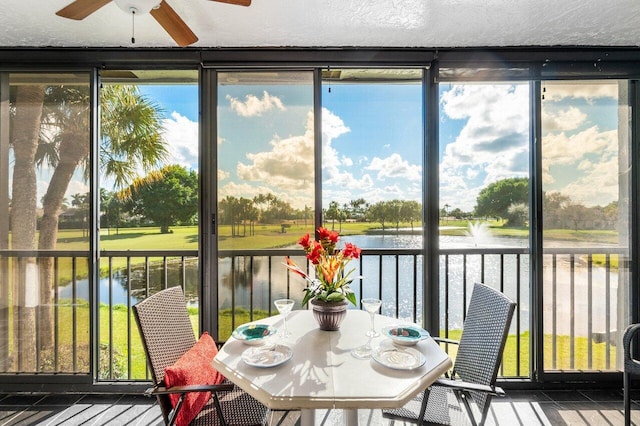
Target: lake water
{"type": "Point", "coordinates": [379, 278]}
{"type": "Point", "coordinates": [119, 289]}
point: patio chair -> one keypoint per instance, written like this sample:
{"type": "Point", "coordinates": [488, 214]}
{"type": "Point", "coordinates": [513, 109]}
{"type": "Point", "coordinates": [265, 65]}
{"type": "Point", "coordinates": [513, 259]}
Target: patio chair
{"type": "Point", "coordinates": [631, 366]}
{"type": "Point", "coordinates": [466, 391]}
{"type": "Point", "coordinates": [167, 334]}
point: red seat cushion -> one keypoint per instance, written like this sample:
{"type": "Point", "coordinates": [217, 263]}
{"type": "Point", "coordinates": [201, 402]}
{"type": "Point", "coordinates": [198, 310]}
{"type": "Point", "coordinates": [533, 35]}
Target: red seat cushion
{"type": "Point", "coordinates": [193, 368]}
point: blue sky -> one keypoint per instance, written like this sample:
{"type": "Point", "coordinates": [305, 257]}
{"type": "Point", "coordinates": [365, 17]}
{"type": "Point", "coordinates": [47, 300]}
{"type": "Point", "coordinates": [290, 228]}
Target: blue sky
{"type": "Point", "coordinates": [372, 139]}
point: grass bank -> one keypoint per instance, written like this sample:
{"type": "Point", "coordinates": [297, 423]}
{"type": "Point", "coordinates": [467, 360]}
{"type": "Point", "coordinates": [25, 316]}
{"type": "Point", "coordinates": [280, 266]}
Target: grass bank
{"type": "Point", "coordinates": [513, 365]}
{"type": "Point", "coordinates": [132, 365]}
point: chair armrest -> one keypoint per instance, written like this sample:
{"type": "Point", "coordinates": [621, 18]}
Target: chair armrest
{"type": "Point", "coordinates": [629, 333]}
{"type": "Point", "coordinates": [183, 390]}
{"type": "Point", "coordinates": [443, 340]}
{"type": "Point", "coordinates": [161, 390]}
{"type": "Point", "coordinates": [462, 385]}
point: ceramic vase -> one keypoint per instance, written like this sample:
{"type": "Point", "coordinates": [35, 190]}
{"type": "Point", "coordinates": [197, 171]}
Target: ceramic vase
{"type": "Point", "coordinates": [329, 315]}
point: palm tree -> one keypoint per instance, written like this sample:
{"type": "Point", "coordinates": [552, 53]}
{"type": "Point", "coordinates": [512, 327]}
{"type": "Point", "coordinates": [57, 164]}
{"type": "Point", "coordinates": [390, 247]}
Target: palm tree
{"type": "Point", "coordinates": [26, 127]}
{"type": "Point", "coordinates": [52, 127]}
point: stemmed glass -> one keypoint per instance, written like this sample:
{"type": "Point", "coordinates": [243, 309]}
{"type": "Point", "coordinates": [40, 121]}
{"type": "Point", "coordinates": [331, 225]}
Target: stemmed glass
{"type": "Point", "coordinates": [370, 305]}
{"type": "Point", "coordinates": [284, 306]}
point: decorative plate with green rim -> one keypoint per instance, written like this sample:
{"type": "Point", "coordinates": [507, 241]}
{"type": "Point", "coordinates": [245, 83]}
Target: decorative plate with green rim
{"type": "Point", "coordinates": [254, 334]}
{"type": "Point", "coordinates": [406, 335]}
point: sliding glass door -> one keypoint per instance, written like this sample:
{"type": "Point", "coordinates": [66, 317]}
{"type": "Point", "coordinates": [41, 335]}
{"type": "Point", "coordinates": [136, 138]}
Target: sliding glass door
{"type": "Point", "coordinates": [586, 178]}
{"type": "Point", "coordinates": [372, 179]}
{"type": "Point", "coordinates": [484, 206]}
{"type": "Point", "coordinates": [265, 188]}
{"type": "Point", "coordinates": [45, 124]}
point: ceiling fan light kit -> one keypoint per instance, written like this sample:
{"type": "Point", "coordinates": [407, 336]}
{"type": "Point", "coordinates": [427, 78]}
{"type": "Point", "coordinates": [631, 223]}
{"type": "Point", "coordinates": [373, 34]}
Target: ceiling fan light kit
{"type": "Point", "coordinates": [159, 9]}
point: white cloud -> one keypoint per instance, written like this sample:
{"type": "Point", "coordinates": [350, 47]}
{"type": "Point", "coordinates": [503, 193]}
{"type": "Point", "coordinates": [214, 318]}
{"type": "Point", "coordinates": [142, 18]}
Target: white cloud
{"type": "Point", "coordinates": [77, 185]}
{"type": "Point", "coordinates": [332, 128]}
{"type": "Point", "coordinates": [222, 174]}
{"type": "Point", "coordinates": [347, 180]}
{"type": "Point", "coordinates": [181, 135]}
{"type": "Point", "coordinates": [569, 119]}
{"type": "Point", "coordinates": [547, 178]}
{"type": "Point", "coordinates": [598, 186]}
{"type": "Point", "coordinates": [367, 189]}
{"type": "Point", "coordinates": [394, 166]}
{"type": "Point", "coordinates": [288, 167]}
{"type": "Point", "coordinates": [555, 91]}
{"type": "Point", "coordinates": [492, 144]}
{"type": "Point", "coordinates": [568, 149]}
{"type": "Point", "coordinates": [246, 190]}
{"type": "Point", "coordinates": [594, 154]}
{"type": "Point", "coordinates": [254, 106]}
{"type": "Point", "coordinates": [289, 163]}
{"type": "Point", "coordinates": [458, 191]}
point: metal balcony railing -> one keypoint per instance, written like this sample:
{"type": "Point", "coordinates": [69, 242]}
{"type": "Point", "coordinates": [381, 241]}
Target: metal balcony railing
{"type": "Point", "coordinates": [580, 287]}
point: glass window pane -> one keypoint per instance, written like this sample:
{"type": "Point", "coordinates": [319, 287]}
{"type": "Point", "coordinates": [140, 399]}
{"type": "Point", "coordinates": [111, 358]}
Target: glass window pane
{"type": "Point", "coordinates": [266, 187]}
{"type": "Point", "coordinates": [265, 158]}
{"type": "Point", "coordinates": [372, 179]}
{"type": "Point", "coordinates": [44, 147]}
{"type": "Point", "coordinates": [484, 205]}
{"type": "Point", "coordinates": [586, 170]}
{"type": "Point", "coordinates": [372, 137]}
{"type": "Point", "coordinates": [148, 203]}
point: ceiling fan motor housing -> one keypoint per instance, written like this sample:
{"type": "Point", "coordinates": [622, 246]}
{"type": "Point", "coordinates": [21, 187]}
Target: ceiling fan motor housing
{"type": "Point", "coordinates": [137, 6]}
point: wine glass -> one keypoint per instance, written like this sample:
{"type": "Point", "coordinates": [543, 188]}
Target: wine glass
{"type": "Point", "coordinates": [284, 306]}
{"type": "Point", "coordinates": [372, 305]}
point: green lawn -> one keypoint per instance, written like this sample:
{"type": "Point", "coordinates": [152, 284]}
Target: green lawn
{"type": "Point", "coordinates": [138, 363]}
{"type": "Point", "coordinates": [271, 236]}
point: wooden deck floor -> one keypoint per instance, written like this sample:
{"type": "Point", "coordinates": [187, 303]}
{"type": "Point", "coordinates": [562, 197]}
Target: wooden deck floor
{"type": "Point", "coordinates": [527, 408]}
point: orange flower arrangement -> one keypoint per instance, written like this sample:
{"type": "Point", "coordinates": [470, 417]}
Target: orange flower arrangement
{"type": "Point", "coordinates": [331, 283]}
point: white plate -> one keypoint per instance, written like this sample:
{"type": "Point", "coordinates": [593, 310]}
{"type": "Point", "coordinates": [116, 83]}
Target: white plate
{"type": "Point", "coordinates": [406, 335]}
{"type": "Point", "coordinates": [253, 334]}
{"type": "Point", "coordinates": [267, 356]}
{"type": "Point", "coordinates": [397, 358]}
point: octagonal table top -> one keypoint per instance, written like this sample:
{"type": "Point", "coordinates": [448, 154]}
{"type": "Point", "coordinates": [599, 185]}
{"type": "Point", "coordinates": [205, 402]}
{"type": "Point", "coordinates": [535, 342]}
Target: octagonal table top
{"type": "Point", "coordinates": [322, 373]}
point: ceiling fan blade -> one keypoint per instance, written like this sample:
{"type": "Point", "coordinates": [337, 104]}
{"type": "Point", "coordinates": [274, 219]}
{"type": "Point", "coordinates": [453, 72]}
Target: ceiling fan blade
{"type": "Point", "coordinates": [173, 24]}
{"type": "Point", "coordinates": [238, 2]}
{"type": "Point", "coordinates": [80, 9]}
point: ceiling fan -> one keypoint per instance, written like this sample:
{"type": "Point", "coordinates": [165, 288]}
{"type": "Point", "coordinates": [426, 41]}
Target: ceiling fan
{"type": "Point", "coordinates": [159, 9]}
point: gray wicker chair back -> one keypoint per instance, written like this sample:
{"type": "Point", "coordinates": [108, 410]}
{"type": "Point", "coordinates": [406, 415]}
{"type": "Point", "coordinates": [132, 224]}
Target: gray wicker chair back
{"type": "Point", "coordinates": [483, 339]}
{"type": "Point", "coordinates": [479, 355]}
{"type": "Point", "coordinates": [166, 333]}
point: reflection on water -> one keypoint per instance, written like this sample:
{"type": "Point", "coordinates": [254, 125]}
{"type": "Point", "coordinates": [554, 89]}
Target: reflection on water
{"type": "Point", "coordinates": [120, 284]}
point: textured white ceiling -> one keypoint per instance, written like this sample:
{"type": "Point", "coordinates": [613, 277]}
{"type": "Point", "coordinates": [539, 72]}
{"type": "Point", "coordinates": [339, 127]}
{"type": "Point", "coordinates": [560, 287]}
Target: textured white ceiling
{"type": "Point", "coordinates": [336, 23]}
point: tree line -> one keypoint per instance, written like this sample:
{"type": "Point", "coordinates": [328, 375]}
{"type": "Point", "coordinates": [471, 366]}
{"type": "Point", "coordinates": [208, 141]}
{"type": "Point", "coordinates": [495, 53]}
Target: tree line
{"type": "Point", "coordinates": [243, 213]}
{"type": "Point", "coordinates": [508, 199]}
{"type": "Point", "coordinates": [169, 197]}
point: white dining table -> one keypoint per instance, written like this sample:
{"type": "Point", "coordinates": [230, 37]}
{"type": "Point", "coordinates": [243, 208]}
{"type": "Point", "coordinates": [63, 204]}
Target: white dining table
{"type": "Point", "coordinates": [323, 374]}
